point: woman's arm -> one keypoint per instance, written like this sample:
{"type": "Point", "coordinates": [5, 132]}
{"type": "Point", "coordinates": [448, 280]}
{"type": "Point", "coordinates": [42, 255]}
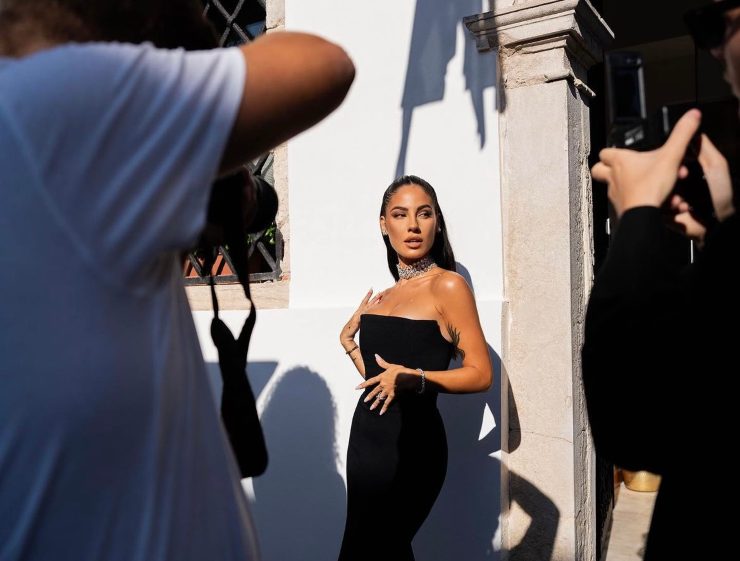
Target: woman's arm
{"type": "Point", "coordinates": [352, 350]}
{"type": "Point", "coordinates": [457, 305]}
{"type": "Point", "coordinates": [350, 329]}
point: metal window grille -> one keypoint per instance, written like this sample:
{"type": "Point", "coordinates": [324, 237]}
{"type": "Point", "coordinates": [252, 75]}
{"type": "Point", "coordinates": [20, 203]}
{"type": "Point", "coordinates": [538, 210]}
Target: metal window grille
{"type": "Point", "coordinates": [238, 22]}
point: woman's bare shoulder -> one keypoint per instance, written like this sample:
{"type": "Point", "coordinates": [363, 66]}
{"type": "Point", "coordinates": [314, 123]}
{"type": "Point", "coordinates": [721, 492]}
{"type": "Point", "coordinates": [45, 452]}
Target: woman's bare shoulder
{"type": "Point", "coordinates": [450, 282]}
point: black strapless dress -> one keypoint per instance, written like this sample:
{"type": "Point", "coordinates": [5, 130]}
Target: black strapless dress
{"type": "Point", "coordinates": [396, 463]}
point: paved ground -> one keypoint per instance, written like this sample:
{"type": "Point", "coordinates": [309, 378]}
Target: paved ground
{"type": "Point", "coordinates": [629, 528]}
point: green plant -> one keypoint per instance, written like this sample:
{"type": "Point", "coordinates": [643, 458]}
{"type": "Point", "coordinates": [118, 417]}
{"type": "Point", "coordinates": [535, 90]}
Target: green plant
{"type": "Point", "coordinates": [268, 235]}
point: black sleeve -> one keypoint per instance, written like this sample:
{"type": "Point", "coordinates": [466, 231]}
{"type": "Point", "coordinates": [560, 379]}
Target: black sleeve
{"type": "Point", "coordinates": [635, 326]}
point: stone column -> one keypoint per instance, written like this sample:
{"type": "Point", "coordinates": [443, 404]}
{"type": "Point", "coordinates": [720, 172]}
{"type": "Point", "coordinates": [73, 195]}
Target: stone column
{"type": "Point", "coordinates": [545, 48]}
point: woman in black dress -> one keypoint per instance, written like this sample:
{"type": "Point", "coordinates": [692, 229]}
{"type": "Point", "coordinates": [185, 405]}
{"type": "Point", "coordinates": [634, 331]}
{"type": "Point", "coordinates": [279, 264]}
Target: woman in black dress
{"type": "Point", "coordinates": [397, 455]}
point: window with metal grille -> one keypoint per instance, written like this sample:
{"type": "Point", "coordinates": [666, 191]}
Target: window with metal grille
{"type": "Point", "coordinates": [238, 22]}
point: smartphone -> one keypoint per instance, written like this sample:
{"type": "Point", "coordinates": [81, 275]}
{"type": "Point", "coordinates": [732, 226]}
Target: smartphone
{"type": "Point", "coordinates": [625, 84]}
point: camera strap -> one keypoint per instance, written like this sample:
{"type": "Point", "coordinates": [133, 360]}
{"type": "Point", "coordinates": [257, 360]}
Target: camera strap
{"type": "Point", "coordinates": [238, 405]}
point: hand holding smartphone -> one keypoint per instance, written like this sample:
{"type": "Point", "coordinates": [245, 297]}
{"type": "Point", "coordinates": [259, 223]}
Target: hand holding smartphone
{"type": "Point", "coordinates": [632, 126]}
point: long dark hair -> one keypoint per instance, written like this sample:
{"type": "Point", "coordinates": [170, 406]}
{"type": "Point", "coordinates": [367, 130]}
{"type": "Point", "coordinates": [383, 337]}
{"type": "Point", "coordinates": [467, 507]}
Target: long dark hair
{"type": "Point", "coordinates": [441, 250]}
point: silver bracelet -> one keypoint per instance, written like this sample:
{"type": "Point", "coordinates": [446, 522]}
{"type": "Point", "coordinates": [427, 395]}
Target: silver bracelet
{"type": "Point", "coordinates": [423, 381]}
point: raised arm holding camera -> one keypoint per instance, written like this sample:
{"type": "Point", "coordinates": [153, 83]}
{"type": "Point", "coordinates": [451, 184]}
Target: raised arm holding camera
{"type": "Point", "coordinates": [660, 343]}
{"type": "Point", "coordinates": [110, 444]}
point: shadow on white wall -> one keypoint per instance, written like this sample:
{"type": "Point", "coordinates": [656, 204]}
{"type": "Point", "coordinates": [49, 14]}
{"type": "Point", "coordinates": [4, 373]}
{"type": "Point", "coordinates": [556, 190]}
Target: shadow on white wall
{"type": "Point", "coordinates": [433, 45]}
{"type": "Point", "coordinates": [300, 501]}
{"type": "Point", "coordinates": [465, 518]}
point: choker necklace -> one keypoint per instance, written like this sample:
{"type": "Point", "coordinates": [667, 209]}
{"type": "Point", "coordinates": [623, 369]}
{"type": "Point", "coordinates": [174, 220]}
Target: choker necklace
{"type": "Point", "coordinates": [406, 272]}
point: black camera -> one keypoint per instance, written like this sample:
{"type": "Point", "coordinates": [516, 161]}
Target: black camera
{"type": "Point", "coordinates": [241, 203]}
{"type": "Point", "coordinates": [632, 126]}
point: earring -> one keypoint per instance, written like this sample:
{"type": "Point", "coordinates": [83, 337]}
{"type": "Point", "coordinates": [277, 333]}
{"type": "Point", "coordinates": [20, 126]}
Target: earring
{"type": "Point", "coordinates": [383, 232]}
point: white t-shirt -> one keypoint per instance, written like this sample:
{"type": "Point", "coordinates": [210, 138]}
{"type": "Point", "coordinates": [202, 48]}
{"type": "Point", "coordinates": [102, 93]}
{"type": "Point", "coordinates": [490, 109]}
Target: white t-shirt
{"type": "Point", "coordinates": [111, 445]}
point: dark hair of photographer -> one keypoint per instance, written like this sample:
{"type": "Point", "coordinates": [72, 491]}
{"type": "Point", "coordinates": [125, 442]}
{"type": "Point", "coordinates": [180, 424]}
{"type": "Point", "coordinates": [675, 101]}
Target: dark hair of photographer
{"type": "Point", "coordinates": [165, 23]}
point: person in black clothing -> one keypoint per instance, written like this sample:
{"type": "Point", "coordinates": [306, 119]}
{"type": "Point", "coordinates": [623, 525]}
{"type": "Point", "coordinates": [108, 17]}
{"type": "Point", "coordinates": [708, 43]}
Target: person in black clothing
{"type": "Point", "coordinates": [397, 456]}
{"type": "Point", "coordinates": [660, 342]}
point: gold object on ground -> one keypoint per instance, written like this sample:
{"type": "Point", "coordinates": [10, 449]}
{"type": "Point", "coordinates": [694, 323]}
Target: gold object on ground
{"type": "Point", "coordinates": [642, 481]}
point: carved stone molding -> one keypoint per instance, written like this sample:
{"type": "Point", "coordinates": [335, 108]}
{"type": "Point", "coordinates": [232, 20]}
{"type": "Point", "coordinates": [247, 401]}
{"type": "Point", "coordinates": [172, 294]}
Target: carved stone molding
{"type": "Point", "coordinates": [554, 35]}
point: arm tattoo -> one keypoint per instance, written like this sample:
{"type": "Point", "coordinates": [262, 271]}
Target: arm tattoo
{"type": "Point", "coordinates": [455, 336]}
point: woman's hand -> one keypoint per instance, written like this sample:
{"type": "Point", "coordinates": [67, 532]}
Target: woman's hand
{"type": "Point", "coordinates": [350, 329]}
{"type": "Point", "coordinates": [387, 383]}
{"type": "Point", "coordinates": [646, 178]}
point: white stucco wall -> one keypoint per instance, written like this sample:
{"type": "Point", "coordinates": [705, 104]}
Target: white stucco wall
{"type": "Point", "coordinates": [413, 54]}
